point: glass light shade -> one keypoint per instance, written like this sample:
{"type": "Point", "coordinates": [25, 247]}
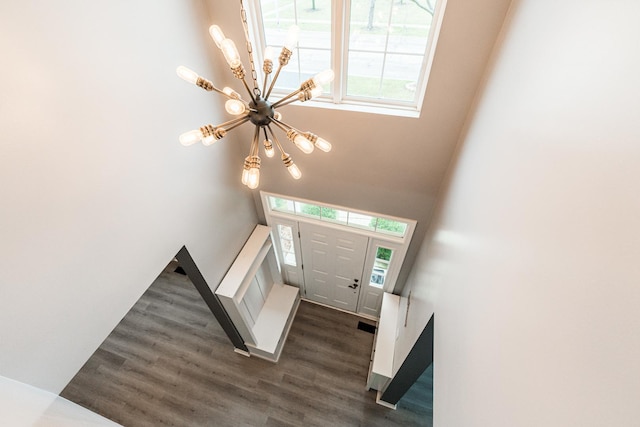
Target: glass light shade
{"type": "Point", "coordinates": [230, 53]}
{"type": "Point", "coordinates": [253, 180]}
{"type": "Point", "coordinates": [270, 53]}
{"type": "Point", "coordinates": [217, 35]}
{"type": "Point", "coordinates": [187, 75]}
{"type": "Point", "coordinates": [303, 144]}
{"type": "Point", "coordinates": [231, 93]}
{"type": "Point", "coordinates": [294, 171]}
{"type": "Point", "coordinates": [292, 37]}
{"type": "Point", "coordinates": [208, 140]}
{"type": "Point", "coordinates": [245, 170]}
{"type": "Point", "coordinates": [268, 148]}
{"type": "Point", "coordinates": [316, 91]}
{"type": "Point", "coordinates": [324, 77]}
{"type": "Point", "coordinates": [323, 145]}
{"type": "Point", "coordinates": [234, 107]}
{"type": "Point", "coordinates": [191, 137]}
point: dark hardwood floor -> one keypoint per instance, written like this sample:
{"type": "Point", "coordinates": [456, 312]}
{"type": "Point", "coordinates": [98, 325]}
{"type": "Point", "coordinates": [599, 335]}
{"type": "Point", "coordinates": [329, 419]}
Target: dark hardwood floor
{"type": "Point", "coordinates": [169, 363]}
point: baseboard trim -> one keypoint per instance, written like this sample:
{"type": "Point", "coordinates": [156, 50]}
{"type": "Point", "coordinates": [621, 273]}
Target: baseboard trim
{"type": "Point", "coordinates": [385, 404]}
{"type": "Point", "coordinates": [242, 352]}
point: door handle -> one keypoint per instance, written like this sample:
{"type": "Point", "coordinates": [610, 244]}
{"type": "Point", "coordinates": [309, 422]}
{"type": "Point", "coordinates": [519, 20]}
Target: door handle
{"type": "Point", "coordinates": [355, 285]}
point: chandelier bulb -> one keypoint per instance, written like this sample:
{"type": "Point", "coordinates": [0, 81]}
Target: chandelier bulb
{"type": "Point", "coordinates": [245, 170]}
{"type": "Point", "coordinates": [323, 145]}
{"type": "Point", "coordinates": [268, 148]}
{"type": "Point", "coordinates": [292, 37]}
{"type": "Point", "coordinates": [307, 94]}
{"type": "Point", "coordinates": [191, 137]}
{"type": "Point", "coordinates": [316, 91]}
{"type": "Point", "coordinates": [324, 77]}
{"type": "Point", "coordinates": [277, 115]}
{"type": "Point", "coordinates": [217, 35]}
{"type": "Point", "coordinates": [253, 179]}
{"type": "Point", "coordinates": [231, 53]}
{"type": "Point", "coordinates": [294, 171]}
{"type": "Point", "coordinates": [270, 54]}
{"type": "Point", "coordinates": [208, 140]}
{"type": "Point", "coordinates": [291, 167]}
{"type": "Point", "coordinates": [301, 142]}
{"type": "Point", "coordinates": [235, 107]}
{"type": "Point", "coordinates": [187, 75]}
{"type": "Point", "coordinates": [231, 93]}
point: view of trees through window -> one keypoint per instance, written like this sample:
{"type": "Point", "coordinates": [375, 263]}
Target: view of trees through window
{"type": "Point", "coordinates": [385, 48]}
{"type": "Point", "coordinates": [339, 216]}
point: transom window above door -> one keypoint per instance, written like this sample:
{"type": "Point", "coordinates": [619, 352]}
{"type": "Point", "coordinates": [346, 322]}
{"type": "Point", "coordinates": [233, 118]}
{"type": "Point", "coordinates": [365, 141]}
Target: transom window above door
{"type": "Point", "coordinates": [380, 50]}
{"type": "Point", "coordinates": [336, 215]}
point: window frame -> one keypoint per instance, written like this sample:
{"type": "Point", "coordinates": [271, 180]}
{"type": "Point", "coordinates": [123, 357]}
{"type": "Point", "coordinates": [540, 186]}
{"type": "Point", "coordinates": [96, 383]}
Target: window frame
{"type": "Point", "coordinates": [337, 97]}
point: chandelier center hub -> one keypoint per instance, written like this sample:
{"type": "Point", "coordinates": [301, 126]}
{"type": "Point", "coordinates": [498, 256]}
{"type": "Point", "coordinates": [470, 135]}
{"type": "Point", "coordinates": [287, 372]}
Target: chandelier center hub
{"type": "Point", "coordinates": [263, 112]}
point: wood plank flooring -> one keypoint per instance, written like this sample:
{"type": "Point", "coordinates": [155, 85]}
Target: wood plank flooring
{"type": "Point", "coordinates": [169, 363]}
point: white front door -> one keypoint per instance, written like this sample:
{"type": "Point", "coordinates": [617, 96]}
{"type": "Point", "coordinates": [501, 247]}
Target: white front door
{"type": "Point", "coordinates": [333, 262]}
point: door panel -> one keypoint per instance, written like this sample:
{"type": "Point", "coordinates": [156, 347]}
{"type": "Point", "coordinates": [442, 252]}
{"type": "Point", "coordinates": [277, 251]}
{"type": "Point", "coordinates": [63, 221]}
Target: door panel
{"type": "Point", "coordinates": [334, 261]}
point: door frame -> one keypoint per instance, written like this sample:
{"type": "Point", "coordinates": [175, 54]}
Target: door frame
{"type": "Point", "coordinates": [399, 244]}
{"type": "Point", "coordinates": [357, 253]}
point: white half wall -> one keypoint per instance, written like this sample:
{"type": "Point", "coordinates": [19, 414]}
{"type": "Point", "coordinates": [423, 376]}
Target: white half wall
{"type": "Point", "coordinates": [532, 264]}
{"type": "Point", "coordinates": [97, 194]}
{"type": "Point", "coordinates": [23, 405]}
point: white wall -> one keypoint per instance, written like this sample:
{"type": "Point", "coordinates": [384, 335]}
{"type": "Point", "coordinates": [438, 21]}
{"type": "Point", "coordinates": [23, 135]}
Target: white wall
{"type": "Point", "coordinates": [532, 267]}
{"type": "Point", "coordinates": [97, 194]}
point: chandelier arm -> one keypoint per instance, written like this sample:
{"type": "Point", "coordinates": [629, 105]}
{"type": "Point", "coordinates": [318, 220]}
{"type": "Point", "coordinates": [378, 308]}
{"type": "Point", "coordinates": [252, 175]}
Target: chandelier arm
{"type": "Point", "coordinates": [264, 83]}
{"type": "Point", "coordinates": [280, 101]}
{"type": "Point", "coordinates": [233, 121]}
{"type": "Point", "coordinates": [291, 101]}
{"type": "Point", "coordinates": [276, 140]}
{"type": "Point", "coordinates": [273, 81]}
{"type": "Point", "coordinates": [242, 121]}
{"type": "Point", "coordinates": [254, 143]}
{"type": "Point", "coordinates": [221, 92]}
{"type": "Point", "coordinates": [285, 127]}
{"type": "Point", "coordinates": [280, 125]}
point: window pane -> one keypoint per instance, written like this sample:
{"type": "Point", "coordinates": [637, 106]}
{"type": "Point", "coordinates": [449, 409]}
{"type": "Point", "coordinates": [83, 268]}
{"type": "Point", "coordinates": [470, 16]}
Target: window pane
{"type": "Point", "coordinates": [286, 244]}
{"type": "Point", "coordinates": [334, 215]}
{"type": "Point", "coordinates": [381, 266]}
{"type": "Point", "coordinates": [306, 209]}
{"type": "Point", "coordinates": [391, 227]}
{"type": "Point", "coordinates": [410, 26]}
{"type": "Point", "coordinates": [398, 30]}
{"type": "Point", "coordinates": [312, 61]}
{"type": "Point", "coordinates": [401, 73]}
{"type": "Point", "coordinates": [282, 205]}
{"type": "Point", "coordinates": [313, 51]}
{"type": "Point", "coordinates": [362, 221]}
{"type": "Point", "coordinates": [365, 71]}
{"type": "Point", "coordinates": [289, 78]}
{"type": "Point", "coordinates": [277, 17]}
{"type": "Point", "coordinates": [371, 16]}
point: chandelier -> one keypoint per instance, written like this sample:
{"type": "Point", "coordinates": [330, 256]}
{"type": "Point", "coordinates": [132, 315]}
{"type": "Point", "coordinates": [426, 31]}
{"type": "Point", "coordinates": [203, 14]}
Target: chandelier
{"type": "Point", "coordinates": [258, 110]}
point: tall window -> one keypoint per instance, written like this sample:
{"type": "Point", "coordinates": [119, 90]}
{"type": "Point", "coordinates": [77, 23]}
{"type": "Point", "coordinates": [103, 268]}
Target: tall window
{"type": "Point", "coordinates": [379, 49]}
